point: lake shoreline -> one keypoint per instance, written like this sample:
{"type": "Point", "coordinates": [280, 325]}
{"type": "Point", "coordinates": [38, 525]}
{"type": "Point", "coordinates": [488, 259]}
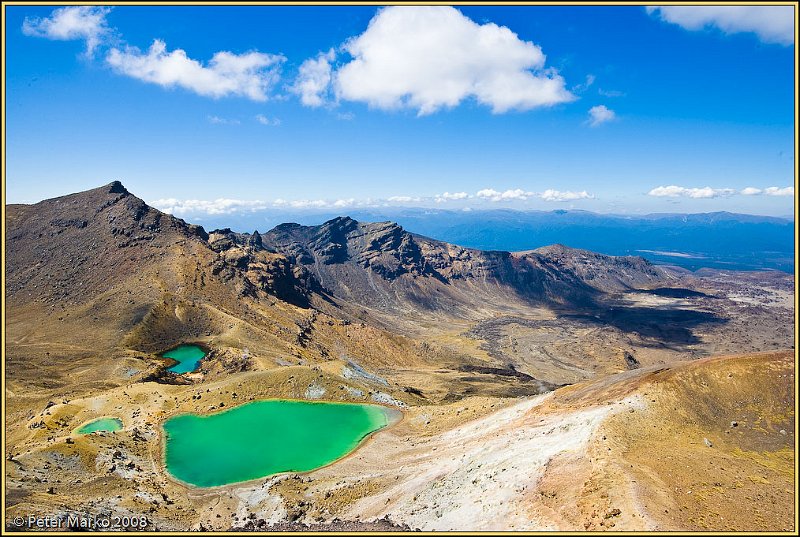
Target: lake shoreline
{"type": "Point", "coordinates": [391, 417]}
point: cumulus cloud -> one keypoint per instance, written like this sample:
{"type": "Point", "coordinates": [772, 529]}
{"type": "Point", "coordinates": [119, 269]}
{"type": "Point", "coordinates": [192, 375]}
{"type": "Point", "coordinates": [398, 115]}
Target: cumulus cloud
{"type": "Point", "coordinates": [775, 191]}
{"type": "Point", "coordinates": [568, 195]}
{"type": "Point", "coordinates": [250, 75]}
{"type": "Point", "coordinates": [447, 196]}
{"type": "Point", "coordinates": [217, 206]}
{"type": "Point", "coordinates": [314, 79]}
{"type": "Point", "coordinates": [674, 191]}
{"type": "Point", "coordinates": [426, 58]}
{"type": "Point", "coordinates": [71, 23]}
{"type": "Point", "coordinates": [264, 120]}
{"type": "Point", "coordinates": [599, 115]}
{"type": "Point", "coordinates": [751, 191]}
{"type": "Point", "coordinates": [508, 195]}
{"type": "Point", "coordinates": [772, 24]}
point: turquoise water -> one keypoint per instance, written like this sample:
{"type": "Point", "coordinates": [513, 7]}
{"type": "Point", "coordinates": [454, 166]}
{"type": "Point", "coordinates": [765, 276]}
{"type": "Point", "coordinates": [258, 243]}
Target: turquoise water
{"type": "Point", "coordinates": [101, 424]}
{"type": "Point", "coordinates": [188, 357]}
{"type": "Point", "coordinates": [264, 438]}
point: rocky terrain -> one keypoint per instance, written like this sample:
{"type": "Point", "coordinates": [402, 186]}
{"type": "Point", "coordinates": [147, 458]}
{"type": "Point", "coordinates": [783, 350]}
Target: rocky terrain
{"type": "Point", "coordinates": [536, 386]}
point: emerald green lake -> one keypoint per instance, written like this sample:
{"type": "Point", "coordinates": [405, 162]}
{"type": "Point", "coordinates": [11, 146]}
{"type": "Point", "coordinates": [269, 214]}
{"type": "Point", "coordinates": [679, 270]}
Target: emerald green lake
{"type": "Point", "coordinates": [188, 356]}
{"type": "Point", "coordinates": [266, 437]}
{"type": "Point", "coordinates": [101, 424]}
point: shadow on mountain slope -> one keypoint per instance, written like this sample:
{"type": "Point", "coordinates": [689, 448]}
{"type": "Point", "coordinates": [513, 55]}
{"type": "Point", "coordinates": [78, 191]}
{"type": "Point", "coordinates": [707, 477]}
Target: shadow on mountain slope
{"type": "Point", "coordinates": [670, 327]}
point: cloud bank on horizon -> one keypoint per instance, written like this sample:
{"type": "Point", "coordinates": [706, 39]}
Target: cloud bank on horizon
{"type": "Point", "coordinates": [483, 198]}
{"type": "Point", "coordinates": [674, 191]}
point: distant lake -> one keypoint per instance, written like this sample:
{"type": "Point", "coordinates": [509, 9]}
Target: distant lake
{"type": "Point", "coordinates": [266, 437]}
{"type": "Point", "coordinates": [188, 357]}
{"type": "Point", "coordinates": [101, 424]}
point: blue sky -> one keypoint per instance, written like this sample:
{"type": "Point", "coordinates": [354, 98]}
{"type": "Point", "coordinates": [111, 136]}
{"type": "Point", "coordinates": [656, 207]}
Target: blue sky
{"type": "Point", "coordinates": [217, 110]}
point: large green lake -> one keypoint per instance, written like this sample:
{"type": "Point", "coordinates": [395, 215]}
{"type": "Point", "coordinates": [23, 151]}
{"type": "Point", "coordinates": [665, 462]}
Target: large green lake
{"type": "Point", "coordinates": [266, 437]}
{"type": "Point", "coordinates": [101, 424]}
{"type": "Point", "coordinates": [188, 357]}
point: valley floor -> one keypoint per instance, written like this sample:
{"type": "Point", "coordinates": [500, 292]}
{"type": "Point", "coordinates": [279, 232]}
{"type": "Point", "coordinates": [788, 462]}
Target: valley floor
{"type": "Point", "coordinates": [649, 449]}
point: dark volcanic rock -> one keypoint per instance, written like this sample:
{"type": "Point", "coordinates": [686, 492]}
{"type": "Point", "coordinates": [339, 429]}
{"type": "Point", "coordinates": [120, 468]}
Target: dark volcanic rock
{"type": "Point", "coordinates": [382, 265]}
{"type": "Point", "coordinates": [255, 241]}
{"type": "Point", "coordinates": [630, 360]}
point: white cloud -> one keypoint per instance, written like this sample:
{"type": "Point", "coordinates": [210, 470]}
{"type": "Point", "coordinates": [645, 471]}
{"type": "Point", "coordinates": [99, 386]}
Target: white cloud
{"type": "Point", "coordinates": [772, 24]}
{"type": "Point", "coordinates": [250, 75]}
{"type": "Point", "coordinates": [71, 23]}
{"type": "Point", "coordinates": [235, 206]}
{"type": "Point", "coordinates": [216, 120]}
{"type": "Point", "coordinates": [509, 195]}
{"type": "Point", "coordinates": [775, 191]}
{"type": "Point", "coordinates": [217, 206]}
{"type": "Point", "coordinates": [447, 196]}
{"type": "Point", "coordinates": [431, 57]}
{"type": "Point", "coordinates": [314, 79]}
{"type": "Point", "coordinates": [302, 204]}
{"type": "Point", "coordinates": [599, 115]}
{"type": "Point", "coordinates": [750, 191]}
{"type": "Point", "coordinates": [402, 199]}
{"type": "Point", "coordinates": [556, 195]}
{"type": "Point", "coordinates": [264, 120]}
{"type": "Point", "coordinates": [344, 203]}
{"type": "Point", "coordinates": [674, 191]}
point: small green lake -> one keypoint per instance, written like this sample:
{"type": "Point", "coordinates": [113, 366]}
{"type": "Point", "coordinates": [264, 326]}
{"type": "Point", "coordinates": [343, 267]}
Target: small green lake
{"type": "Point", "coordinates": [188, 357]}
{"type": "Point", "coordinates": [101, 424]}
{"type": "Point", "coordinates": [266, 437]}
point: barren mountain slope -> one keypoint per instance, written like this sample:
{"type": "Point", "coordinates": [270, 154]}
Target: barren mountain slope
{"type": "Point", "coordinates": [382, 266]}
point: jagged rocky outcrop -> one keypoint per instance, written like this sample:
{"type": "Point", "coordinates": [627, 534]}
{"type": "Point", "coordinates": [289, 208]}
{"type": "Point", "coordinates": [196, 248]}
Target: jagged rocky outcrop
{"type": "Point", "coordinates": [384, 248]}
{"type": "Point", "coordinates": [382, 265]}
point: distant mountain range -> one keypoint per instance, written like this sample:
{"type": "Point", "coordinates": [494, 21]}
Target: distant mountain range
{"type": "Point", "coordinates": [714, 240]}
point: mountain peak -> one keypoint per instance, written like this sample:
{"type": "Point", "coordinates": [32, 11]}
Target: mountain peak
{"type": "Point", "coordinates": [341, 222]}
{"type": "Point", "coordinates": [115, 187]}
